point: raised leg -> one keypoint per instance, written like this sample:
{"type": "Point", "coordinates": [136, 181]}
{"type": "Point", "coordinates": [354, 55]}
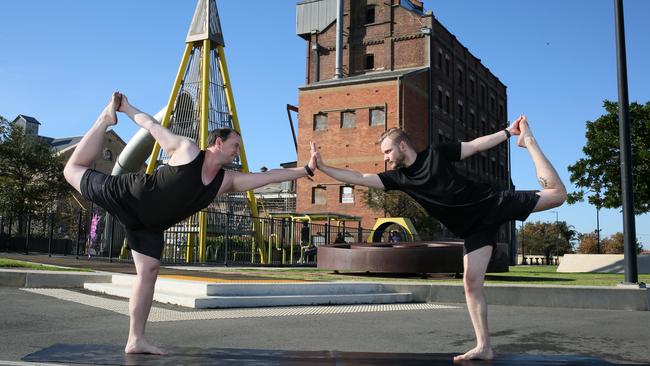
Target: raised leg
{"type": "Point", "coordinates": [90, 145]}
{"type": "Point", "coordinates": [140, 304]}
{"type": "Point", "coordinates": [475, 264]}
{"type": "Point", "coordinates": [553, 193]}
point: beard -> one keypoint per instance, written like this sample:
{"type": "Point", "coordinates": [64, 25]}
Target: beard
{"type": "Point", "coordinates": [397, 162]}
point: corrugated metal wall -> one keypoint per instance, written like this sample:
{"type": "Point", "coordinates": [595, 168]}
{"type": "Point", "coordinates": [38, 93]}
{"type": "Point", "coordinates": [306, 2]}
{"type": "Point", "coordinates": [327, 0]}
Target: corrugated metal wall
{"type": "Point", "coordinates": [314, 15]}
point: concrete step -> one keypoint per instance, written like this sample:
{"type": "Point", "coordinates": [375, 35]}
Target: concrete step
{"type": "Point", "coordinates": [202, 295]}
{"type": "Point", "coordinates": [202, 288]}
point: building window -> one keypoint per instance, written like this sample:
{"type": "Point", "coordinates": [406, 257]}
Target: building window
{"type": "Point", "coordinates": [107, 154]}
{"type": "Point", "coordinates": [370, 14]}
{"type": "Point", "coordinates": [346, 194]}
{"type": "Point", "coordinates": [440, 59]}
{"type": "Point", "coordinates": [370, 61]}
{"type": "Point", "coordinates": [472, 120]}
{"type": "Point", "coordinates": [492, 104]}
{"type": "Point", "coordinates": [460, 77]}
{"type": "Point", "coordinates": [482, 100]}
{"type": "Point", "coordinates": [439, 99]}
{"type": "Point", "coordinates": [461, 111]}
{"type": "Point", "coordinates": [500, 112]}
{"type": "Point", "coordinates": [348, 119]}
{"type": "Point", "coordinates": [320, 122]}
{"type": "Point", "coordinates": [318, 195]}
{"type": "Point", "coordinates": [447, 103]}
{"type": "Point", "coordinates": [472, 86]}
{"type": "Point", "coordinates": [483, 131]}
{"type": "Point", "coordinates": [447, 66]}
{"type": "Point", "coordinates": [377, 117]}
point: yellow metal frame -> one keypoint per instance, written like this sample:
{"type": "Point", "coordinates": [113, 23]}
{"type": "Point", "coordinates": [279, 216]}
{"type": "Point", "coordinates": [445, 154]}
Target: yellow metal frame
{"type": "Point", "coordinates": [203, 143]}
{"type": "Point", "coordinates": [170, 104]}
{"type": "Point", "coordinates": [203, 136]}
{"type": "Point", "coordinates": [404, 222]}
{"type": "Point", "coordinates": [252, 201]}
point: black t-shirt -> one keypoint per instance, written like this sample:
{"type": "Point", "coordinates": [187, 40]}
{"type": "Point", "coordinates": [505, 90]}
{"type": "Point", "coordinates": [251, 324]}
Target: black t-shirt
{"type": "Point", "coordinates": [434, 183]}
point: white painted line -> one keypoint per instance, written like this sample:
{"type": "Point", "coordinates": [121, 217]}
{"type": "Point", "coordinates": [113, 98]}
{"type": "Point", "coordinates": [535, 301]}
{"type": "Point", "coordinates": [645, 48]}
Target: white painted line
{"type": "Point", "coordinates": [165, 315]}
{"type": "Point", "coordinates": [20, 363]}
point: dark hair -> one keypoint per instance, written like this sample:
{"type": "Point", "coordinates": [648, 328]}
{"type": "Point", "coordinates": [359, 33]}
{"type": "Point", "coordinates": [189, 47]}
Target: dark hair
{"type": "Point", "coordinates": [223, 133]}
{"type": "Point", "coordinates": [397, 135]}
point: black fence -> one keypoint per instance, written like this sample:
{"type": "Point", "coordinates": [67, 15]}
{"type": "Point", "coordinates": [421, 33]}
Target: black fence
{"type": "Point", "coordinates": [230, 239]}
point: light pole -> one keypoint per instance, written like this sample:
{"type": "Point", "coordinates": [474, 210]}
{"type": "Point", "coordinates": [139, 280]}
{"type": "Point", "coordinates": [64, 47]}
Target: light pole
{"type": "Point", "coordinates": [523, 234]}
{"type": "Point", "coordinates": [557, 227]}
{"type": "Point", "coordinates": [597, 229]}
{"type": "Point", "coordinates": [629, 225]}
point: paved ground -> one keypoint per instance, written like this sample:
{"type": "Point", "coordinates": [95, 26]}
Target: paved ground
{"type": "Point", "coordinates": [32, 321]}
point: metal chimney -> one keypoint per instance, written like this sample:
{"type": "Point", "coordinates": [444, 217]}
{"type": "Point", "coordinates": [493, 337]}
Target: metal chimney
{"type": "Point", "coordinates": [339, 40]}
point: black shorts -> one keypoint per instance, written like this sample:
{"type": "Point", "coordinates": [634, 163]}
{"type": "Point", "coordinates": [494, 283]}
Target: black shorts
{"type": "Point", "coordinates": [147, 241]}
{"type": "Point", "coordinates": [509, 205]}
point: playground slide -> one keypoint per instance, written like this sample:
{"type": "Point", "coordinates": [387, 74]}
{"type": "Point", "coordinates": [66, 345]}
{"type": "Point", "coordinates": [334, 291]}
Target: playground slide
{"type": "Point", "coordinates": [137, 150]}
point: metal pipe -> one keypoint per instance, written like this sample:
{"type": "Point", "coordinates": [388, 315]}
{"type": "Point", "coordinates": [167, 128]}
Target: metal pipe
{"type": "Point", "coordinates": [49, 239]}
{"type": "Point", "coordinates": [629, 230]}
{"type": "Point", "coordinates": [79, 226]}
{"type": "Point", "coordinates": [29, 228]}
{"type": "Point", "coordinates": [293, 130]}
{"type": "Point", "coordinates": [339, 40]}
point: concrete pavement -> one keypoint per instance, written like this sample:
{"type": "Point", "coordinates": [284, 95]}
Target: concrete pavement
{"type": "Point", "coordinates": [31, 322]}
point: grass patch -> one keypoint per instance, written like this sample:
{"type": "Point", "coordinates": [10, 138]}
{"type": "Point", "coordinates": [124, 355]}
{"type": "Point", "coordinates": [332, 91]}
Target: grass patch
{"type": "Point", "coordinates": [535, 275]}
{"type": "Point", "coordinates": [547, 275]}
{"type": "Point", "coordinates": [12, 263]}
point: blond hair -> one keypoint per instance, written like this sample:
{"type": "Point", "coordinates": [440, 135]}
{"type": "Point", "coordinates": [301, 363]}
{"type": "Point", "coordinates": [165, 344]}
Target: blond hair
{"type": "Point", "coordinates": [397, 135]}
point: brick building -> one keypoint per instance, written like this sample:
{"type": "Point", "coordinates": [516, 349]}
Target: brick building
{"type": "Point", "coordinates": [400, 68]}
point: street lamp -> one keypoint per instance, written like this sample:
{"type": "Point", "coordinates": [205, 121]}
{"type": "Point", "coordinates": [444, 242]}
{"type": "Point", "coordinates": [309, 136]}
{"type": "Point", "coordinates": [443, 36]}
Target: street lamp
{"type": "Point", "coordinates": [523, 234]}
{"type": "Point", "coordinates": [557, 227]}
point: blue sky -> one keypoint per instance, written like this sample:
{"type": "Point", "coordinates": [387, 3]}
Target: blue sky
{"type": "Point", "coordinates": [60, 60]}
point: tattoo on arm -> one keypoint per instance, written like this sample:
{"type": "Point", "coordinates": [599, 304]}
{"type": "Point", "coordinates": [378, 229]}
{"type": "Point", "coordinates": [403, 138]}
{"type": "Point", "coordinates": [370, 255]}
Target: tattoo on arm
{"type": "Point", "coordinates": [543, 182]}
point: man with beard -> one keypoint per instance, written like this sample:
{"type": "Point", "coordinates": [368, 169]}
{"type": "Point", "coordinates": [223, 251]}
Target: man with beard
{"type": "Point", "coordinates": [473, 211]}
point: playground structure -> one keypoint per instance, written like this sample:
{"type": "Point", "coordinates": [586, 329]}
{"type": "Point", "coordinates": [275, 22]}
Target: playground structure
{"type": "Point", "coordinates": [201, 100]}
{"type": "Point", "coordinates": [418, 257]}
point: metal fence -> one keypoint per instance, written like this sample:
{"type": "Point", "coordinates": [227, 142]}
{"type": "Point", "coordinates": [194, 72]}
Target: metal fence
{"type": "Point", "coordinates": [43, 233]}
{"type": "Point", "coordinates": [230, 240]}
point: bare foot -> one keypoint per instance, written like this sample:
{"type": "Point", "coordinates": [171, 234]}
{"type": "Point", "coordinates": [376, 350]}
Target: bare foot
{"type": "Point", "coordinates": [124, 104]}
{"type": "Point", "coordinates": [524, 134]}
{"type": "Point", "coordinates": [109, 114]}
{"type": "Point", "coordinates": [143, 347]}
{"type": "Point", "coordinates": [476, 354]}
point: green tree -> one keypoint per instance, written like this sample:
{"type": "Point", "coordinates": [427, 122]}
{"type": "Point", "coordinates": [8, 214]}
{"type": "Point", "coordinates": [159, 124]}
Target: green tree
{"type": "Point", "coordinates": [548, 239]}
{"type": "Point", "coordinates": [614, 244]}
{"type": "Point", "coordinates": [399, 204]}
{"type": "Point", "coordinates": [31, 178]}
{"type": "Point", "coordinates": [588, 244]}
{"type": "Point", "coordinates": [598, 175]}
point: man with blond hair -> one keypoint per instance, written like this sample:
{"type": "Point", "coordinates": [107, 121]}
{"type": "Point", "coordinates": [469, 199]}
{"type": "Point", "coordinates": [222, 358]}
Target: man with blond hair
{"type": "Point", "coordinates": [473, 211]}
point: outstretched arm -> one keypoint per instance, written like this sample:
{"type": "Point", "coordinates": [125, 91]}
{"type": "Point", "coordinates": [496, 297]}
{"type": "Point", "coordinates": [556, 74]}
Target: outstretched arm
{"type": "Point", "coordinates": [346, 175]}
{"type": "Point", "coordinates": [486, 142]}
{"type": "Point", "coordinates": [169, 141]}
{"type": "Point", "coordinates": [241, 182]}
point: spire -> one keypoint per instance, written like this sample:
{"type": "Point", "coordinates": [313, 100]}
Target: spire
{"type": "Point", "coordinates": [206, 24]}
